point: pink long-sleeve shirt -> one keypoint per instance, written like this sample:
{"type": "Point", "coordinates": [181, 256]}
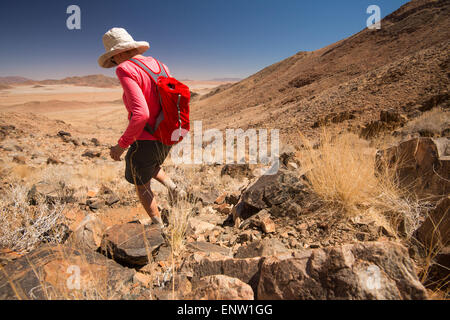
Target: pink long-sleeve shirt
{"type": "Point", "coordinates": [140, 98]}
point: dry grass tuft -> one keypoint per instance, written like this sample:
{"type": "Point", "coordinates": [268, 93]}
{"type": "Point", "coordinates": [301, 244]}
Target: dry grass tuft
{"type": "Point", "coordinates": [342, 171]}
{"type": "Point", "coordinates": [23, 226]}
{"type": "Point", "coordinates": [432, 122]}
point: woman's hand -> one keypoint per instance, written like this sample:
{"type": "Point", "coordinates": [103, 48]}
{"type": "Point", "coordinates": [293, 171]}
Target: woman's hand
{"type": "Point", "coordinates": [116, 151]}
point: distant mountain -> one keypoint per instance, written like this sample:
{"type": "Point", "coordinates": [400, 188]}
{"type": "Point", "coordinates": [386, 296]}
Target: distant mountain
{"type": "Point", "coordinates": [13, 80]}
{"type": "Point", "coordinates": [226, 79]}
{"type": "Point", "coordinates": [96, 80]}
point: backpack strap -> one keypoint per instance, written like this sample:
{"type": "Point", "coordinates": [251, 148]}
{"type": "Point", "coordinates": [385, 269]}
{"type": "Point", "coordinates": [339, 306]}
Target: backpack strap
{"type": "Point", "coordinates": [152, 75]}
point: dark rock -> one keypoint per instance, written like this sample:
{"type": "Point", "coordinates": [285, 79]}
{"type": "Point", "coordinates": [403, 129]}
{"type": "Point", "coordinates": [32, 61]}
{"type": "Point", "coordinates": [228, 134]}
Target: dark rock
{"type": "Point", "coordinates": [95, 142]}
{"type": "Point", "coordinates": [95, 203]}
{"type": "Point", "coordinates": [53, 161]}
{"type": "Point", "coordinates": [260, 220]}
{"type": "Point", "coordinates": [132, 244]}
{"type": "Point", "coordinates": [19, 159]}
{"type": "Point", "coordinates": [46, 273]}
{"type": "Point", "coordinates": [112, 199]}
{"type": "Point", "coordinates": [281, 194]}
{"type": "Point", "coordinates": [435, 231]}
{"type": "Point", "coordinates": [362, 271]}
{"type": "Point", "coordinates": [438, 272]}
{"type": "Point", "coordinates": [206, 197]}
{"type": "Point", "coordinates": [64, 134]}
{"type": "Point", "coordinates": [421, 165]}
{"type": "Point", "coordinates": [247, 270]}
{"type": "Point", "coordinates": [91, 154]}
{"type": "Point", "coordinates": [236, 170]}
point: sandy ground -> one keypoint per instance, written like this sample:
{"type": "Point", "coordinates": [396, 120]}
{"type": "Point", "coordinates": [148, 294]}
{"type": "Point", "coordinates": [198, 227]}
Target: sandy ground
{"type": "Point", "coordinates": [90, 110]}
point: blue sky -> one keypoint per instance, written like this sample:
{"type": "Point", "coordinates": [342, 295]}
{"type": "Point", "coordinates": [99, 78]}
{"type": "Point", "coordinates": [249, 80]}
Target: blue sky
{"type": "Point", "coordinates": [197, 39]}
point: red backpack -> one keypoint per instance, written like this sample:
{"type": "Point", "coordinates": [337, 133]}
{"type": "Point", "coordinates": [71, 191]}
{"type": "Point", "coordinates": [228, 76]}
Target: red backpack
{"type": "Point", "coordinates": [172, 123]}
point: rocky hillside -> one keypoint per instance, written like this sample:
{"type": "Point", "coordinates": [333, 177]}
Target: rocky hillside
{"type": "Point", "coordinates": [403, 66]}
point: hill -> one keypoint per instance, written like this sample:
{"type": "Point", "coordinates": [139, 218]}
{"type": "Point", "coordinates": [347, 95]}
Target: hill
{"type": "Point", "coordinates": [97, 80]}
{"type": "Point", "coordinates": [403, 66]}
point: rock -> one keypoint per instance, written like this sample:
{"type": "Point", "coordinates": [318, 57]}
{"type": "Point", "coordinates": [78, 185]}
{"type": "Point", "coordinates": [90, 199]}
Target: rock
{"type": "Point", "coordinates": [143, 278]}
{"type": "Point", "coordinates": [292, 166]}
{"type": "Point", "coordinates": [76, 142]}
{"type": "Point", "coordinates": [91, 154]}
{"type": "Point", "coordinates": [53, 161]}
{"type": "Point", "coordinates": [391, 116]}
{"type": "Point", "coordinates": [92, 193]}
{"type": "Point", "coordinates": [435, 231]}
{"type": "Point", "coordinates": [223, 208]}
{"type": "Point", "coordinates": [262, 248]}
{"type": "Point", "coordinates": [233, 198]}
{"type": "Point", "coordinates": [95, 203]}
{"type": "Point", "coordinates": [89, 233]}
{"type": "Point", "coordinates": [50, 272]}
{"type": "Point", "coordinates": [200, 246]}
{"type": "Point", "coordinates": [50, 193]}
{"type": "Point", "coordinates": [182, 286]}
{"type": "Point", "coordinates": [19, 159]}
{"type": "Point", "coordinates": [389, 120]}
{"type": "Point", "coordinates": [236, 170]}
{"type": "Point", "coordinates": [220, 199]}
{"type": "Point", "coordinates": [202, 264]}
{"type": "Point", "coordinates": [281, 193]}
{"type": "Point", "coordinates": [362, 271]}
{"type": "Point", "coordinates": [164, 253]}
{"type": "Point", "coordinates": [95, 142]}
{"type": "Point", "coordinates": [64, 134]}
{"type": "Point", "coordinates": [220, 287]}
{"type": "Point", "coordinates": [287, 155]}
{"type": "Point", "coordinates": [199, 226]}
{"type": "Point", "coordinates": [206, 197]}
{"type": "Point", "coordinates": [438, 272]}
{"type": "Point", "coordinates": [422, 166]}
{"type": "Point", "coordinates": [112, 199]}
{"type": "Point", "coordinates": [246, 236]}
{"type": "Point", "coordinates": [260, 220]}
{"type": "Point", "coordinates": [132, 244]}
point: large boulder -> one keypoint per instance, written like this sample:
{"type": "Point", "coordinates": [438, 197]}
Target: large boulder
{"type": "Point", "coordinates": [220, 287]}
{"type": "Point", "coordinates": [62, 272]}
{"type": "Point", "coordinates": [375, 270]}
{"type": "Point", "coordinates": [281, 194]}
{"type": "Point", "coordinates": [202, 264]}
{"type": "Point", "coordinates": [435, 231]}
{"type": "Point", "coordinates": [89, 233]}
{"type": "Point", "coordinates": [132, 244]}
{"type": "Point", "coordinates": [422, 165]}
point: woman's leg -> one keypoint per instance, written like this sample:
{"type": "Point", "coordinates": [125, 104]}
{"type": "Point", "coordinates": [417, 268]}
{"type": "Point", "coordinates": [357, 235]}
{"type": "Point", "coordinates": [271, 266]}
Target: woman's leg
{"type": "Point", "coordinates": [148, 201]}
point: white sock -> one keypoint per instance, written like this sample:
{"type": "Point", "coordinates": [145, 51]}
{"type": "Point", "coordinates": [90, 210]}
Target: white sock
{"type": "Point", "coordinates": [169, 184]}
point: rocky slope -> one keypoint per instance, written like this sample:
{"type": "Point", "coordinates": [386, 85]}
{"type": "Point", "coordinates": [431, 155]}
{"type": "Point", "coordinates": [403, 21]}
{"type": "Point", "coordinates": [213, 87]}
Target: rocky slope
{"type": "Point", "coordinates": [403, 66]}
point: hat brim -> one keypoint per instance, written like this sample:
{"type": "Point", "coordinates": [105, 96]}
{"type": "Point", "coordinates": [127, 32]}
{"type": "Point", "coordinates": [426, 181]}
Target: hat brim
{"type": "Point", "coordinates": [104, 60]}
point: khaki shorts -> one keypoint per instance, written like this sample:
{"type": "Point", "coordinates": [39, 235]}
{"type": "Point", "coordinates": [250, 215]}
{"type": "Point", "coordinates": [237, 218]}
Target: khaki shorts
{"type": "Point", "coordinates": [143, 160]}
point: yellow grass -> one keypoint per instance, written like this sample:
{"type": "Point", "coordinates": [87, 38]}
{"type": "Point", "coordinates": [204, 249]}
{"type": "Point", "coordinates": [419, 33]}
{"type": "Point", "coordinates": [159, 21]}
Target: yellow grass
{"type": "Point", "coordinates": [341, 170]}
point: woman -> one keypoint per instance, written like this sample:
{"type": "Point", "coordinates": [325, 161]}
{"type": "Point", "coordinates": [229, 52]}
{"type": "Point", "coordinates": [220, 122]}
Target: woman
{"type": "Point", "coordinates": [145, 154]}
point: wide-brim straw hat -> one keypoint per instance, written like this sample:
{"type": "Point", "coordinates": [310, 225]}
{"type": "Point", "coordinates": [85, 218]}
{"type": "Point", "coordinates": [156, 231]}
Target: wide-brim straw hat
{"type": "Point", "coordinates": [118, 40]}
